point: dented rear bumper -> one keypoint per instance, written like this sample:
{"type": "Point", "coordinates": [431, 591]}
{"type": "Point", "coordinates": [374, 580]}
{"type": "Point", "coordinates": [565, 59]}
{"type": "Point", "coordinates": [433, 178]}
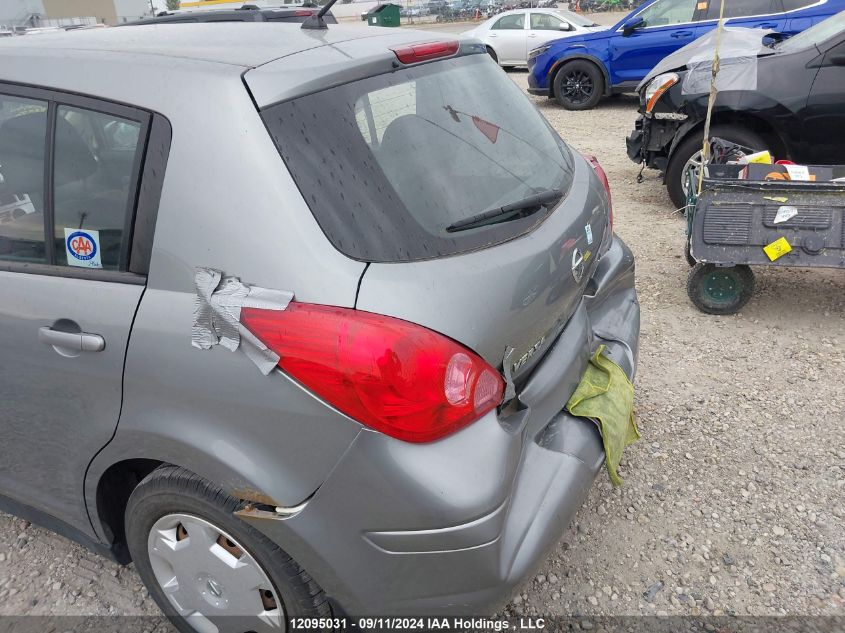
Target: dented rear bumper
{"type": "Point", "coordinates": [452, 526]}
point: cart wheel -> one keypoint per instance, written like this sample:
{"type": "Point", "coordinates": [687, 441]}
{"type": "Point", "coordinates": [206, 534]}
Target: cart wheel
{"type": "Point", "coordinates": [720, 290]}
{"type": "Point", "coordinates": [688, 254]}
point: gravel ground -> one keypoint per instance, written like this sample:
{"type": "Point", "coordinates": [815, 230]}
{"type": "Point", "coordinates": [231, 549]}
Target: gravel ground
{"type": "Point", "coordinates": [733, 499]}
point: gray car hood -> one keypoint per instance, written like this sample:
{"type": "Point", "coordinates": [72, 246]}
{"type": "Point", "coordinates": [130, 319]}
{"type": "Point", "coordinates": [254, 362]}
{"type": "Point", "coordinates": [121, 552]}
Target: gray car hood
{"type": "Point", "coordinates": [736, 43]}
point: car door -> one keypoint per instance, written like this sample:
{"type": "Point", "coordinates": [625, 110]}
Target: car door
{"type": "Point", "coordinates": [824, 117]}
{"type": "Point", "coordinates": [668, 25]}
{"type": "Point", "coordinates": [545, 27]}
{"type": "Point", "coordinates": [507, 37]}
{"type": "Point", "coordinates": [68, 296]}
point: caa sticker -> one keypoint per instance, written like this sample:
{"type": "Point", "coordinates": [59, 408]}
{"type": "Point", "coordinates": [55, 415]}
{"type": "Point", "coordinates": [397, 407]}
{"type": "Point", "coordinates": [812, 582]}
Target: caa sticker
{"type": "Point", "coordinates": [83, 248]}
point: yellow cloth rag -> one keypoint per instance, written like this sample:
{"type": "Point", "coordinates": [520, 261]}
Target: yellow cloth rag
{"type": "Point", "coordinates": [606, 395]}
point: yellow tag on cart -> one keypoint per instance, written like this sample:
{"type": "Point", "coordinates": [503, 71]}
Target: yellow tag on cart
{"type": "Point", "coordinates": [777, 249]}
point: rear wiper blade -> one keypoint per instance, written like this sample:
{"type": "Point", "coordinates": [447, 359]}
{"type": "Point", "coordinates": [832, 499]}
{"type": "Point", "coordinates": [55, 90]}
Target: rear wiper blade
{"type": "Point", "coordinates": [519, 209]}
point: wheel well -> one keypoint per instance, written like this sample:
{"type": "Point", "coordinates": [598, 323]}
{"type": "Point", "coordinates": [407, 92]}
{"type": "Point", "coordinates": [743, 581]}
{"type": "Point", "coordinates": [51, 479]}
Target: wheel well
{"type": "Point", "coordinates": [113, 491]}
{"type": "Point", "coordinates": [563, 63]}
{"type": "Point", "coordinates": [748, 121]}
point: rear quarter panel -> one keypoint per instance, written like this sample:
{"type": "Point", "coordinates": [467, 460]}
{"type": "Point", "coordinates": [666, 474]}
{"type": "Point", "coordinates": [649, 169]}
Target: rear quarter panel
{"type": "Point", "coordinates": [227, 203]}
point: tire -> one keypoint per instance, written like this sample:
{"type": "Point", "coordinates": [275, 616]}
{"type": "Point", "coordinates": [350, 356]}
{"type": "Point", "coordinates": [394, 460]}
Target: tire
{"type": "Point", "coordinates": [492, 54]}
{"type": "Point", "coordinates": [203, 507]}
{"type": "Point", "coordinates": [579, 85]}
{"type": "Point", "coordinates": [692, 144]}
{"type": "Point", "coordinates": [716, 290]}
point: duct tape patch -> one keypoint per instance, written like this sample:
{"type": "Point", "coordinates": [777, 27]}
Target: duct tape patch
{"type": "Point", "coordinates": [217, 315]}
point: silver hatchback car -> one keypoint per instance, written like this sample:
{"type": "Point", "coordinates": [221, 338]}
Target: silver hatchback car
{"type": "Point", "coordinates": [291, 317]}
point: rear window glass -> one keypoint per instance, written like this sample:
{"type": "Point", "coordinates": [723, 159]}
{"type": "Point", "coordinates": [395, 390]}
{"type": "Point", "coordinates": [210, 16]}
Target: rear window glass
{"type": "Point", "coordinates": [387, 163]}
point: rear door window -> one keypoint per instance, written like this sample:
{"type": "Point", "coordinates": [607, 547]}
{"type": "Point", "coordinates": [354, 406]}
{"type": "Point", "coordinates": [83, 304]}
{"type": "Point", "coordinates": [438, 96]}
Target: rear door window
{"type": "Point", "coordinates": [514, 22]}
{"type": "Point", "coordinates": [743, 8]}
{"type": "Point", "coordinates": [792, 5]}
{"type": "Point", "coordinates": [96, 158]}
{"type": "Point", "coordinates": [387, 163]}
{"type": "Point", "coordinates": [69, 182]}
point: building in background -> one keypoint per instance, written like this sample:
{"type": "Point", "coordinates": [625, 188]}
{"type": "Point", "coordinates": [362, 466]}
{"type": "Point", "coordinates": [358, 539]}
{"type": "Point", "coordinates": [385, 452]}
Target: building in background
{"type": "Point", "coordinates": [20, 14]}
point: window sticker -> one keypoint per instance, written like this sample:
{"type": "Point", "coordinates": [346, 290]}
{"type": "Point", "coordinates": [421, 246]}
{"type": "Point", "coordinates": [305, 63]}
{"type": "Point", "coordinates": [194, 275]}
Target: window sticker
{"type": "Point", "coordinates": [589, 231]}
{"type": "Point", "coordinates": [83, 248]}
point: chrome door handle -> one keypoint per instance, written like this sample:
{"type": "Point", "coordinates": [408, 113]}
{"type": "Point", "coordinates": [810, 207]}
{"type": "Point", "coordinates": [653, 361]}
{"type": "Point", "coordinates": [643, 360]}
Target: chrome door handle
{"type": "Point", "coordinates": [79, 342]}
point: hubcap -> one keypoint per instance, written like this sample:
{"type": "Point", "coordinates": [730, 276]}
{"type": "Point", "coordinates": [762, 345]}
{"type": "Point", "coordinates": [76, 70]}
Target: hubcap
{"type": "Point", "coordinates": [721, 287]}
{"type": "Point", "coordinates": [210, 579]}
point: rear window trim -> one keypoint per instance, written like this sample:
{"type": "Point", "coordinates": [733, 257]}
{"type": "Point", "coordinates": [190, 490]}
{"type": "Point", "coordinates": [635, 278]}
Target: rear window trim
{"type": "Point", "coordinates": [360, 70]}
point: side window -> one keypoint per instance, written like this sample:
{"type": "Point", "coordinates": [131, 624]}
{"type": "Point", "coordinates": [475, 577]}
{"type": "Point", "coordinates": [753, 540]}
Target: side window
{"type": "Point", "coordinates": [743, 8]}
{"type": "Point", "coordinates": [793, 5]}
{"type": "Point", "coordinates": [23, 131]}
{"type": "Point", "coordinates": [669, 12]}
{"type": "Point", "coordinates": [545, 22]}
{"type": "Point", "coordinates": [510, 23]}
{"type": "Point", "coordinates": [95, 158]}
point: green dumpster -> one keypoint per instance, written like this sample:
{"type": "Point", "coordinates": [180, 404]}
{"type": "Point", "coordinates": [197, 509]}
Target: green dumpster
{"type": "Point", "coordinates": [384, 15]}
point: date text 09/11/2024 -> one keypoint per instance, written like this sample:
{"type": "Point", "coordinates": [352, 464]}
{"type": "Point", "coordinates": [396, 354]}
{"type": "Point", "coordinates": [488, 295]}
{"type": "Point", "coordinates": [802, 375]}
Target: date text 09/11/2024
{"type": "Point", "coordinates": [457, 623]}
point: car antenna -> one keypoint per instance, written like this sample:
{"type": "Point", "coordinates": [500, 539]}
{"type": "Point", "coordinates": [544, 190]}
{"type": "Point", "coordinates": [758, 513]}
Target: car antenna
{"type": "Point", "coordinates": [316, 21]}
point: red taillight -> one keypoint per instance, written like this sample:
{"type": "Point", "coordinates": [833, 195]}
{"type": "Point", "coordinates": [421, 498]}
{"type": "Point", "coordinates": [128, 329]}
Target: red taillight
{"type": "Point", "coordinates": [594, 163]}
{"type": "Point", "coordinates": [393, 376]}
{"type": "Point", "coordinates": [301, 13]}
{"type": "Point", "coordinates": [415, 53]}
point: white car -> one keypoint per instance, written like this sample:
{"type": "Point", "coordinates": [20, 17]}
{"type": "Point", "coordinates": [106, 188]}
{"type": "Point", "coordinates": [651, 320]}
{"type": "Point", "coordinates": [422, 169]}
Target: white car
{"type": "Point", "coordinates": [511, 34]}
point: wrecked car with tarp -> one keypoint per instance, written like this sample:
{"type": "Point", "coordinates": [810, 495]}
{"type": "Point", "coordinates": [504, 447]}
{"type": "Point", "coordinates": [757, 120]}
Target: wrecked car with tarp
{"type": "Point", "coordinates": [784, 95]}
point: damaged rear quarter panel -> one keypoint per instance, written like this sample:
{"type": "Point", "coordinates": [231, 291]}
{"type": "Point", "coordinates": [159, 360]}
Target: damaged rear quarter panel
{"type": "Point", "coordinates": [227, 203]}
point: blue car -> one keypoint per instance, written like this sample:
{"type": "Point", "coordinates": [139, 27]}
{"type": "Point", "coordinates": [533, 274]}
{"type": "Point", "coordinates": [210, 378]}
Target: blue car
{"type": "Point", "coordinates": [579, 70]}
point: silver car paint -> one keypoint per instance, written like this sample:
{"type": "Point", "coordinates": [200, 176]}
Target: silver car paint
{"type": "Point", "coordinates": [452, 527]}
{"type": "Point", "coordinates": [58, 411]}
{"type": "Point", "coordinates": [221, 180]}
{"type": "Point", "coordinates": [527, 282]}
{"type": "Point", "coordinates": [466, 517]}
{"type": "Point", "coordinates": [526, 39]}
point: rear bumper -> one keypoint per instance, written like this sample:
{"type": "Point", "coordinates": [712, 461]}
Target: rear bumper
{"type": "Point", "coordinates": [452, 526]}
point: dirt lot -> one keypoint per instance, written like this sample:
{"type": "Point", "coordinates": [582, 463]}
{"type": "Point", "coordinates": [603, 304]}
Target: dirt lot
{"type": "Point", "coordinates": [734, 499]}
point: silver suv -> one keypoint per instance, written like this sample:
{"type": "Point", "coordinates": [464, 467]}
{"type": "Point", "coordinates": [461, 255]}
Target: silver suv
{"type": "Point", "coordinates": [294, 316]}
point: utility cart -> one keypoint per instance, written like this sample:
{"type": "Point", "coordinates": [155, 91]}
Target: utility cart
{"type": "Point", "coordinates": [760, 215]}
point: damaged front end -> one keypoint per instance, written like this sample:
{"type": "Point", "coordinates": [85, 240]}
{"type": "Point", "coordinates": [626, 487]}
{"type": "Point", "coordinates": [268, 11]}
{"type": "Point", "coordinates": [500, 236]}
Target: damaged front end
{"type": "Point", "coordinates": [662, 117]}
{"type": "Point", "coordinates": [674, 96]}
